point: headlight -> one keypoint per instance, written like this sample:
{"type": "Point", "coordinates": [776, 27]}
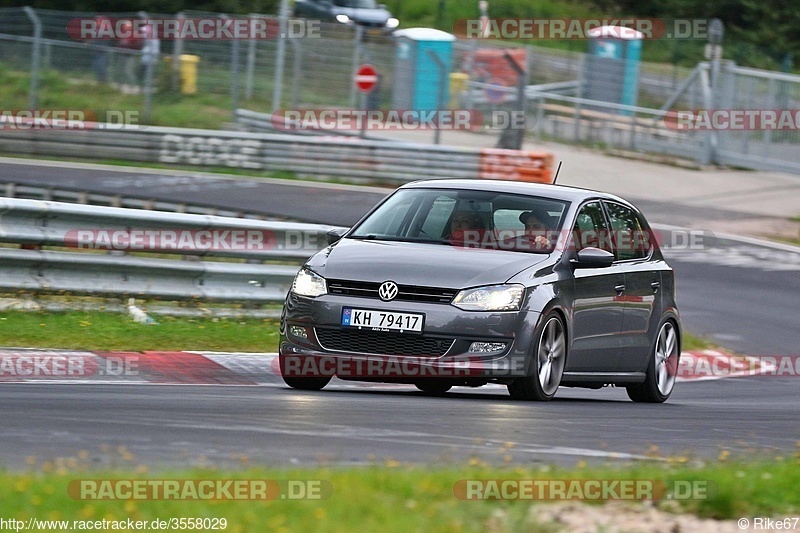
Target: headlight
{"type": "Point", "coordinates": [307, 283]}
{"type": "Point", "coordinates": [392, 23]}
{"type": "Point", "coordinates": [344, 19]}
{"type": "Point", "coordinates": [491, 298]}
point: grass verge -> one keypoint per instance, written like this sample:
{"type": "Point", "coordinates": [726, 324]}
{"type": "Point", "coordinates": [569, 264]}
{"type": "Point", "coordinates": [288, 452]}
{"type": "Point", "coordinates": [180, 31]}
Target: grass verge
{"type": "Point", "coordinates": [113, 331]}
{"type": "Point", "coordinates": [395, 497]}
{"type": "Point", "coordinates": [96, 330]}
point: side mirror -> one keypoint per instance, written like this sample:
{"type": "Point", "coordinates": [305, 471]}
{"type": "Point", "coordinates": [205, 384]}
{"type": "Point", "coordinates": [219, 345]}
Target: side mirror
{"type": "Point", "coordinates": [591, 257]}
{"type": "Point", "coordinates": [334, 235]}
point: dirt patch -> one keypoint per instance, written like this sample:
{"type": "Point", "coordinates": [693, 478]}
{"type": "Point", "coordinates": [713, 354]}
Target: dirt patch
{"type": "Point", "coordinates": [619, 517]}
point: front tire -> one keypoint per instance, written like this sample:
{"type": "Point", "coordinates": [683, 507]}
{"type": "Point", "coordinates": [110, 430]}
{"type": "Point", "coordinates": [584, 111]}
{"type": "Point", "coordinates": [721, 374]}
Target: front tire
{"type": "Point", "coordinates": [302, 383]}
{"type": "Point", "coordinates": [306, 383]}
{"type": "Point", "coordinates": [550, 354]}
{"type": "Point", "coordinates": [435, 388]}
{"type": "Point", "coordinates": [662, 369]}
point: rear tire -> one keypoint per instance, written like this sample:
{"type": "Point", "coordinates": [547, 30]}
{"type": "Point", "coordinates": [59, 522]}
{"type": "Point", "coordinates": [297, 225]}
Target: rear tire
{"type": "Point", "coordinates": [662, 369]}
{"type": "Point", "coordinates": [549, 356]}
{"type": "Point", "coordinates": [435, 388]}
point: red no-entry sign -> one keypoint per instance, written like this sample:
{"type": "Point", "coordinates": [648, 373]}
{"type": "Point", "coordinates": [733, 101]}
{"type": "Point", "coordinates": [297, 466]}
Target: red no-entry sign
{"type": "Point", "coordinates": [366, 78]}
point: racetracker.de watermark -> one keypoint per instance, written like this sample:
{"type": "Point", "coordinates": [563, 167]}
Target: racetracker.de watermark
{"type": "Point", "coordinates": [187, 28]}
{"type": "Point", "coordinates": [581, 28]}
{"type": "Point", "coordinates": [622, 241]}
{"type": "Point", "coordinates": [200, 489]}
{"type": "Point", "coordinates": [733, 119]}
{"type": "Point", "coordinates": [395, 119]}
{"type": "Point", "coordinates": [184, 240]}
{"type": "Point", "coordinates": [44, 366]}
{"type": "Point", "coordinates": [66, 119]}
{"type": "Point", "coordinates": [580, 489]}
{"type": "Point", "coordinates": [724, 365]}
{"type": "Point", "coordinates": [385, 367]}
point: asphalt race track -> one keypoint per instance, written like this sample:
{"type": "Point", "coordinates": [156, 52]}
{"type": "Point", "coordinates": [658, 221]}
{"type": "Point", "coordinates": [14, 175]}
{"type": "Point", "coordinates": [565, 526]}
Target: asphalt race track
{"type": "Point", "coordinates": [741, 294]}
{"type": "Point", "coordinates": [218, 425]}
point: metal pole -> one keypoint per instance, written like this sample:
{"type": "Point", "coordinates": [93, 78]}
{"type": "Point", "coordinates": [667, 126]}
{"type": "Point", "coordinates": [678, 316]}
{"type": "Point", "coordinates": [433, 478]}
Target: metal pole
{"type": "Point", "coordinates": [297, 66]}
{"type": "Point", "coordinates": [522, 80]}
{"type": "Point", "coordinates": [363, 133]}
{"type": "Point", "coordinates": [177, 52]}
{"type": "Point", "coordinates": [251, 65]}
{"type": "Point", "coordinates": [577, 114]}
{"type": "Point", "coordinates": [234, 74]}
{"type": "Point", "coordinates": [148, 71]}
{"type": "Point", "coordinates": [716, 31]}
{"type": "Point", "coordinates": [277, 88]}
{"type": "Point", "coordinates": [357, 52]}
{"type": "Point", "coordinates": [439, 93]}
{"type": "Point", "coordinates": [33, 94]}
{"type": "Point", "coordinates": [148, 92]}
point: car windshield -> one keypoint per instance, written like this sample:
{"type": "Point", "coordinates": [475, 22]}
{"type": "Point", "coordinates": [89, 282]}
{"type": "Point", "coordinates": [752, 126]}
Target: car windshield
{"type": "Point", "coordinates": [473, 219]}
{"type": "Point", "coordinates": [359, 4]}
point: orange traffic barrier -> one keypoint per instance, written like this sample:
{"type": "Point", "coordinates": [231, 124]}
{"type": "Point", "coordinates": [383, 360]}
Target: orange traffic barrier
{"type": "Point", "coordinates": [516, 165]}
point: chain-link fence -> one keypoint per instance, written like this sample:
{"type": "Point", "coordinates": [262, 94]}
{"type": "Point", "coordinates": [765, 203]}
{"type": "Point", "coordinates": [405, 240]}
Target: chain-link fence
{"type": "Point", "coordinates": [568, 95]}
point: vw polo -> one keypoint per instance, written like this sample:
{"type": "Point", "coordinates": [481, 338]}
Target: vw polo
{"type": "Point", "coordinates": [465, 282]}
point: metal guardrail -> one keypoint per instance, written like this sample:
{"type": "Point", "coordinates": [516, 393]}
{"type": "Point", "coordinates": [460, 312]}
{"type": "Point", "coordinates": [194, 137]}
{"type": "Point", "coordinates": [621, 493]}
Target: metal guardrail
{"type": "Point", "coordinates": [255, 151]}
{"type": "Point", "coordinates": [24, 191]}
{"type": "Point", "coordinates": [79, 266]}
{"type": "Point", "coordinates": [316, 156]}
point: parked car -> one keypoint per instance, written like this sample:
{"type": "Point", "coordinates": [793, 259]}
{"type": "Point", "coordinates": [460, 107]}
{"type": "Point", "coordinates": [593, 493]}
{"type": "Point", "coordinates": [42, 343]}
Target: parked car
{"type": "Point", "coordinates": [467, 282]}
{"type": "Point", "coordinates": [363, 12]}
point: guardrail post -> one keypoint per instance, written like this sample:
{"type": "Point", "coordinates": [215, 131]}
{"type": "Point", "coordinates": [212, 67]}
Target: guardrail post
{"type": "Point", "coordinates": [33, 92]}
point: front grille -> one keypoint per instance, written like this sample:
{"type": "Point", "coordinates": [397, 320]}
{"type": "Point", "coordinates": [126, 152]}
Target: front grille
{"type": "Point", "coordinates": [406, 293]}
{"type": "Point", "coordinates": [379, 343]}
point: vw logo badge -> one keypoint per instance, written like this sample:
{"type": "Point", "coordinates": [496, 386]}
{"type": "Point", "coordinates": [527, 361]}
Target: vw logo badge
{"type": "Point", "coordinates": [388, 291]}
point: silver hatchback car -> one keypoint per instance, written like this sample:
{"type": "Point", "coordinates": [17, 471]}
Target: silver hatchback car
{"type": "Point", "coordinates": [467, 282]}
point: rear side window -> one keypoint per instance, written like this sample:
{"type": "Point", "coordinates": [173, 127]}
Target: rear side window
{"type": "Point", "coordinates": [628, 236]}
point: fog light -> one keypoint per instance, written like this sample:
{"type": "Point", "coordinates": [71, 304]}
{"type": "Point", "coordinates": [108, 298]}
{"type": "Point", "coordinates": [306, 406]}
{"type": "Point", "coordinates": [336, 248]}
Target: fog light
{"type": "Point", "coordinates": [487, 347]}
{"type": "Point", "coordinates": [299, 332]}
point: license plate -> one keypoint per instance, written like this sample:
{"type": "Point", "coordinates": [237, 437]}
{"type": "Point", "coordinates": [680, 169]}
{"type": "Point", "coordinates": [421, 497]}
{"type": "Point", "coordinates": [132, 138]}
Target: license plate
{"type": "Point", "coordinates": [383, 320]}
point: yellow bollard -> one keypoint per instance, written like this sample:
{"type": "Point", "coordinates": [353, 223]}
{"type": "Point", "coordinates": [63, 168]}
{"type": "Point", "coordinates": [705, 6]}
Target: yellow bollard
{"type": "Point", "coordinates": [189, 73]}
{"type": "Point", "coordinates": [458, 85]}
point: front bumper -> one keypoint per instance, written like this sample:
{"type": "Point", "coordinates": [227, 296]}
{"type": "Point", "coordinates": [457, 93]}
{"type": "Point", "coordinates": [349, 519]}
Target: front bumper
{"type": "Point", "coordinates": [448, 327]}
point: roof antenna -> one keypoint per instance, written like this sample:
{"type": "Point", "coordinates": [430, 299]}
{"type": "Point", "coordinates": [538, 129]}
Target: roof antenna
{"type": "Point", "coordinates": [557, 171]}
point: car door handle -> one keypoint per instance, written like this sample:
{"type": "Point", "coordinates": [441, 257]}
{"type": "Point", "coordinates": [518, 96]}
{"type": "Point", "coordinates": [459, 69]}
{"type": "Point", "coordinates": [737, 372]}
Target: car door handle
{"type": "Point", "coordinates": [620, 289]}
{"type": "Point", "coordinates": [656, 285]}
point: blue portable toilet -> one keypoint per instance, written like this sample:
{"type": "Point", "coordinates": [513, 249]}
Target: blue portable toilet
{"type": "Point", "coordinates": [416, 75]}
{"type": "Point", "coordinates": [611, 72]}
